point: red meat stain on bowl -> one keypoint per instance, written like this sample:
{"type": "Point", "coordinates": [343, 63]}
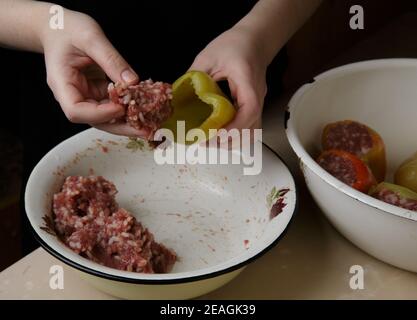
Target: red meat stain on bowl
{"type": "Point", "coordinates": [112, 142]}
{"type": "Point", "coordinates": [60, 171]}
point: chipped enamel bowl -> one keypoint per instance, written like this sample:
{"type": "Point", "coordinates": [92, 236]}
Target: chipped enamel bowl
{"type": "Point", "coordinates": [383, 95]}
{"type": "Point", "coordinates": [213, 216]}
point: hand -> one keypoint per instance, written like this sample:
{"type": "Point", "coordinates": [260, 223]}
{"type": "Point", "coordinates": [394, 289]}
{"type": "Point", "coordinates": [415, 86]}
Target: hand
{"type": "Point", "coordinates": [78, 58]}
{"type": "Point", "coordinates": [234, 56]}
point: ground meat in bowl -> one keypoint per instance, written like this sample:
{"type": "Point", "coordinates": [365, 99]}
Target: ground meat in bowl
{"type": "Point", "coordinates": [82, 199]}
{"type": "Point", "coordinates": [88, 220]}
{"type": "Point", "coordinates": [147, 104]}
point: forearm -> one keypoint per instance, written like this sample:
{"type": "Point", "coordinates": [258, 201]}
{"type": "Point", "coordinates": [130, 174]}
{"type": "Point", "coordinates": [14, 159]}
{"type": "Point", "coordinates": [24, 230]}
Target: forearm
{"type": "Point", "coordinates": [22, 23]}
{"type": "Point", "coordinates": [273, 22]}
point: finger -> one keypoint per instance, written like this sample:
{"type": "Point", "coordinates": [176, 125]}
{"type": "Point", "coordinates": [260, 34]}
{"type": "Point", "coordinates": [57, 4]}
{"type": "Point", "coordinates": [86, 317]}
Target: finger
{"type": "Point", "coordinates": [257, 124]}
{"type": "Point", "coordinates": [109, 59]}
{"type": "Point", "coordinates": [97, 89]}
{"type": "Point", "coordinates": [249, 104]}
{"type": "Point", "coordinates": [200, 65]}
{"type": "Point", "coordinates": [217, 75]}
{"type": "Point", "coordinates": [79, 110]}
{"type": "Point", "coordinates": [122, 129]}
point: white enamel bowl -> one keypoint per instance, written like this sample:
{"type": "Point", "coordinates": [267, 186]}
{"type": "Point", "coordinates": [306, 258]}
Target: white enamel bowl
{"type": "Point", "coordinates": [383, 95]}
{"type": "Point", "coordinates": [213, 216]}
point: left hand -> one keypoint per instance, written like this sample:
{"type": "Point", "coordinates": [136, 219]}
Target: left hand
{"type": "Point", "coordinates": [77, 60]}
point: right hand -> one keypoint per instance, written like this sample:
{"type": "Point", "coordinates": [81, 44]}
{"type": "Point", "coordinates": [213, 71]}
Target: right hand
{"type": "Point", "coordinates": [234, 56]}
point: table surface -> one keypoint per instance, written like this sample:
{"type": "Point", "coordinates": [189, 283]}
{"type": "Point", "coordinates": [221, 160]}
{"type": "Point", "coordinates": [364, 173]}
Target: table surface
{"type": "Point", "coordinates": [311, 262]}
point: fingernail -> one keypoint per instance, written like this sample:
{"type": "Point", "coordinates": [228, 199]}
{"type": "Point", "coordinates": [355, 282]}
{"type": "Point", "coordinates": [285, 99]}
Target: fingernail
{"type": "Point", "coordinates": [128, 76]}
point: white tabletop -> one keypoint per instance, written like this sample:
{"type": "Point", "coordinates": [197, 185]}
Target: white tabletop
{"type": "Point", "coordinates": [311, 262]}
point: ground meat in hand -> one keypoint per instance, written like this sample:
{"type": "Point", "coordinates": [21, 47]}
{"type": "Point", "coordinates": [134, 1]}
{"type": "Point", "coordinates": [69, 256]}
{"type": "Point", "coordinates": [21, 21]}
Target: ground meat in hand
{"type": "Point", "coordinates": [147, 104]}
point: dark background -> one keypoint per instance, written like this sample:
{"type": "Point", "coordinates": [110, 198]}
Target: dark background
{"type": "Point", "coordinates": [160, 40]}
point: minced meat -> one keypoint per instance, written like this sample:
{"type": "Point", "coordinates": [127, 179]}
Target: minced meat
{"type": "Point", "coordinates": [147, 104]}
{"type": "Point", "coordinates": [87, 218]}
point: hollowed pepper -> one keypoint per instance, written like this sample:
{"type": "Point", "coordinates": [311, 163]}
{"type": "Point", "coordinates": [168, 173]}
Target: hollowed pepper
{"type": "Point", "coordinates": [200, 103]}
{"type": "Point", "coordinates": [348, 168]}
{"type": "Point", "coordinates": [406, 174]}
{"type": "Point", "coordinates": [396, 195]}
{"type": "Point", "coordinates": [360, 140]}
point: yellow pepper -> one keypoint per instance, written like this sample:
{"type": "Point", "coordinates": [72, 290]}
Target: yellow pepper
{"type": "Point", "coordinates": [402, 192]}
{"type": "Point", "coordinates": [198, 100]}
{"type": "Point", "coordinates": [406, 174]}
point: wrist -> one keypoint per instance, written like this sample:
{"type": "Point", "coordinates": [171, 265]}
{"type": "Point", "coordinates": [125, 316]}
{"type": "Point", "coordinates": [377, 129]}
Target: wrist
{"type": "Point", "coordinates": [43, 27]}
{"type": "Point", "coordinates": [254, 36]}
{"type": "Point", "coordinates": [22, 23]}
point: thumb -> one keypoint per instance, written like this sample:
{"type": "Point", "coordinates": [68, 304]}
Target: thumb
{"type": "Point", "coordinates": [109, 59]}
{"type": "Point", "coordinates": [201, 63]}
